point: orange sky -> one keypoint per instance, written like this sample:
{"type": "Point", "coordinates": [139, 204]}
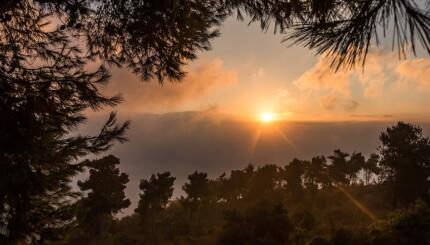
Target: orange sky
{"type": "Point", "coordinates": [250, 72]}
{"type": "Point", "coordinates": [211, 121]}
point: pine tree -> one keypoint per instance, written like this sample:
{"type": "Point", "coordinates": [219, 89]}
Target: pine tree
{"type": "Point", "coordinates": [156, 38]}
{"type": "Point", "coordinates": [155, 195]}
{"type": "Point", "coordinates": [293, 173]}
{"type": "Point", "coordinates": [315, 173]}
{"type": "Point", "coordinates": [354, 165]}
{"type": "Point", "coordinates": [405, 163]}
{"type": "Point", "coordinates": [370, 168]}
{"type": "Point", "coordinates": [197, 189]}
{"type": "Point", "coordinates": [338, 169]}
{"type": "Point", "coordinates": [262, 223]}
{"type": "Point", "coordinates": [106, 197]}
{"type": "Point", "coordinates": [44, 92]}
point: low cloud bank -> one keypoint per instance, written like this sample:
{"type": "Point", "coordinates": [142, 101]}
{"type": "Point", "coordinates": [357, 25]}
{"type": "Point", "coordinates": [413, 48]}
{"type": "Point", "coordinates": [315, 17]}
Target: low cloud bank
{"type": "Point", "coordinates": [207, 141]}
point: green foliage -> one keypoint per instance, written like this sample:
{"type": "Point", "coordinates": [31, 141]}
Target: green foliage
{"type": "Point", "coordinates": [152, 38]}
{"type": "Point", "coordinates": [234, 188]}
{"type": "Point", "coordinates": [155, 39]}
{"type": "Point", "coordinates": [405, 162]}
{"type": "Point", "coordinates": [338, 169]}
{"type": "Point", "coordinates": [106, 197]}
{"type": "Point", "coordinates": [346, 30]}
{"type": "Point", "coordinates": [45, 89]}
{"type": "Point", "coordinates": [344, 237]}
{"type": "Point", "coordinates": [315, 173]}
{"type": "Point", "coordinates": [405, 226]}
{"type": "Point", "coordinates": [293, 175]}
{"type": "Point", "coordinates": [328, 202]}
{"type": "Point", "coordinates": [318, 241]}
{"type": "Point", "coordinates": [197, 189]}
{"type": "Point", "coordinates": [263, 184]}
{"type": "Point", "coordinates": [264, 223]}
{"type": "Point", "coordinates": [333, 200]}
{"type": "Point", "coordinates": [156, 193]}
{"type": "Point", "coordinates": [370, 168]}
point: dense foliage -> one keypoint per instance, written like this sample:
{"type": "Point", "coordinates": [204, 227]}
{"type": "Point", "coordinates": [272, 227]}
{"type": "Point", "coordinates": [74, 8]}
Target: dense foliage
{"type": "Point", "coordinates": [45, 89]}
{"type": "Point", "coordinates": [155, 38]}
{"type": "Point", "coordinates": [46, 86]}
{"type": "Point", "coordinates": [344, 198]}
{"type": "Point", "coordinates": [105, 197]}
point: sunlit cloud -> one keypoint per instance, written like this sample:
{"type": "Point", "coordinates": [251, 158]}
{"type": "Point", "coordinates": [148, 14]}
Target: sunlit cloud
{"type": "Point", "coordinates": [151, 96]}
{"type": "Point", "coordinates": [336, 87]}
{"type": "Point", "coordinates": [325, 93]}
{"type": "Point", "coordinates": [351, 105]}
{"type": "Point", "coordinates": [415, 72]}
{"type": "Point", "coordinates": [322, 77]}
{"type": "Point", "coordinates": [329, 102]}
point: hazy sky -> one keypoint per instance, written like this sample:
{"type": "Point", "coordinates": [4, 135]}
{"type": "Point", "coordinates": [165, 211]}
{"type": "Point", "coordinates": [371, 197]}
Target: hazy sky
{"type": "Point", "coordinates": [211, 120]}
{"type": "Point", "coordinates": [250, 72]}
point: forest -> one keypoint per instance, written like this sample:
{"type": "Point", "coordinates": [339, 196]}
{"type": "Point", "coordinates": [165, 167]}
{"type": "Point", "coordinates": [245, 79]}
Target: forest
{"type": "Point", "coordinates": [344, 198]}
{"type": "Point", "coordinates": [56, 58]}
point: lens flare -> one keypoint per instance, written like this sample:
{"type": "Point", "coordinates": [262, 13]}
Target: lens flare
{"type": "Point", "coordinates": [267, 117]}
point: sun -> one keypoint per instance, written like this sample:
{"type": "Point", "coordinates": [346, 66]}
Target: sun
{"type": "Point", "coordinates": [267, 117]}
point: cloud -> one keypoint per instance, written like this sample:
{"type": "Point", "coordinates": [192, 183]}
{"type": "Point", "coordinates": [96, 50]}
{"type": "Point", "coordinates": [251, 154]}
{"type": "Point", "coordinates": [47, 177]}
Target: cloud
{"type": "Point", "coordinates": [151, 96]}
{"type": "Point", "coordinates": [372, 76]}
{"type": "Point", "coordinates": [380, 68]}
{"type": "Point", "coordinates": [322, 77]}
{"type": "Point", "coordinates": [351, 105]}
{"type": "Point", "coordinates": [329, 102]}
{"type": "Point", "coordinates": [375, 74]}
{"type": "Point", "coordinates": [373, 117]}
{"type": "Point", "coordinates": [349, 90]}
{"type": "Point", "coordinates": [323, 86]}
{"type": "Point", "coordinates": [416, 72]}
{"type": "Point", "coordinates": [209, 141]}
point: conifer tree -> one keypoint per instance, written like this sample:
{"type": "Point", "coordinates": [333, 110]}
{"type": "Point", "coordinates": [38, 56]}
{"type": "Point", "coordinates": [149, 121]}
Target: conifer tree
{"type": "Point", "coordinates": [338, 169]}
{"type": "Point", "coordinates": [197, 189]}
{"type": "Point", "coordinates": [370, 168]}
{"type": "Point", "coordinates": [45, 89]}
{"type": "Point", "coordinates": [106, 197]}
{"type": "Point", "coordinates": [405, 163]}
{"type": "Point", "coordinates": [156, 193]}
{"type": "Point", "coordinates": [156, 38]}
{"type": "Point", "coordinates": [293, 173]}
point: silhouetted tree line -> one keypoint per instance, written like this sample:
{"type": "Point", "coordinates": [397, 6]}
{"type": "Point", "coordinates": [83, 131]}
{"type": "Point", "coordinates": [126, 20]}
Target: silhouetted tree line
{"type": "Point", "coordinates": [344, 198]}
{"type": "Point", "coordinates": [51, 74]}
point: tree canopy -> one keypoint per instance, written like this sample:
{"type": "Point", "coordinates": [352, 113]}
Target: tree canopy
{"type": "Point", "coordinates": [156, 38]}
{"type": "Point", "coordinates": [156, 193]}
{"type": "Point", "coordinates": [302, 202]}
{"type": "Point", "coordinates": [105, 187]}
{"type": "Point", "coordinates": [46, 88]}
{"type": "Point", "coordinates": [405, 162]}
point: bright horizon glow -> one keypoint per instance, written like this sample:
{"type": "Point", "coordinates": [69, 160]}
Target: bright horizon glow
{"type": "Point", "coordinates": [267, 117]}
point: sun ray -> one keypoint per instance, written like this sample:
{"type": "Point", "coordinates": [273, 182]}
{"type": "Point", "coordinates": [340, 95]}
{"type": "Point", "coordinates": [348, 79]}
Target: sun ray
{"type": "Point", "coordinates": [255, 141]}
{"type": "Point", "coordinates": [357, 203]}
{"type": "Point", "coordinates": [287, 140]}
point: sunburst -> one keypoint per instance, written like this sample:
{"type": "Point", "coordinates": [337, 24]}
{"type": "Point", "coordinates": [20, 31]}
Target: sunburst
{"type": "Point", "coordinates": [267, 117]}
